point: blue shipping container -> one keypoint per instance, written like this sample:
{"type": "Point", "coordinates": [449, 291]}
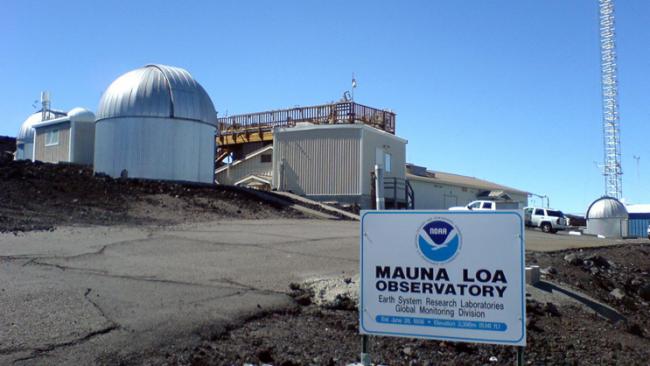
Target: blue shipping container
{"type": "Point", "coordinates": [638, 225]}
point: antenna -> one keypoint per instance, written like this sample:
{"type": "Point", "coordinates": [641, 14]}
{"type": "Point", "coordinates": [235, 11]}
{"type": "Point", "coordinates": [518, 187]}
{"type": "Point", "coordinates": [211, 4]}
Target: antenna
{"type": "Point", "coordinates": [609, 80]}
{"type": "Point", "coordinates": [354, 85]}
{"type": "Point", "coordinates": [637, 158]}
{"type": "Point", "coordinates": [45, 102]}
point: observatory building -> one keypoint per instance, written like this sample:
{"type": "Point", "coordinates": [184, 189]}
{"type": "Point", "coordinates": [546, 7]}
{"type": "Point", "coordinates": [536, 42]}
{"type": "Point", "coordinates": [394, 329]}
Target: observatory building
{"type": "Point", "coordinates": [156, 122]}
{"type": "Point", "coordinates": [25, 138]}
{"type": "Point", "coordinates": [607, 217]}
{"type": "Point", "coordinates": [69, 138]}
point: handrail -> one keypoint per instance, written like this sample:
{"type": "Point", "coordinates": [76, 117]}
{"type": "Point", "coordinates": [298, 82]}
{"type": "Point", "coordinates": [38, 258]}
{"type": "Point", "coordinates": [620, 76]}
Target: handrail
{"type": "Point", "coordinates": [335, 113]}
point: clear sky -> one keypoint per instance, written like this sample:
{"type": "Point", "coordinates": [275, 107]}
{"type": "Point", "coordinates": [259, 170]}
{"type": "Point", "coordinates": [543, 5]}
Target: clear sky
{"type": "Point", "coordinates": [507, 91]}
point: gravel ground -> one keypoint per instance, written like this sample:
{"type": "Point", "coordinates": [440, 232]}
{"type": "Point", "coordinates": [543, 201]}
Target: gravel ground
{"type": "Point", "coordinates": [40, 196]}
{"type": "Point", "coordinates": [327, 333]}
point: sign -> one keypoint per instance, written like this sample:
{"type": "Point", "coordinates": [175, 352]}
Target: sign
{"type": "Point", "coordinates": [448, 275]}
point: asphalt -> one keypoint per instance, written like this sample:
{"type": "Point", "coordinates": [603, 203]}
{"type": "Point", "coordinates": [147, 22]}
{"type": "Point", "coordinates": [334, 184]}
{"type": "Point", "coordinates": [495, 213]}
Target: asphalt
{"type": "Point", "coordinates": [109, 295]}
{"type": "Point", "coordinates": [118, 294]}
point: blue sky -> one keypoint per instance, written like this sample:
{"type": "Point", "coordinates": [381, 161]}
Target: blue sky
{"type": "Point", "coordinates": [507, 91]}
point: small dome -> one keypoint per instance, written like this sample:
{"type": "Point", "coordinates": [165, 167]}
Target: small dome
{"type": "Point", "coordinates": [81, 115]}
{"type": "Point", "coordinates": [607, 208]}
{"type": "Point", "coordinates": [26, 133]}
{"type": "Point", "coordinates": [157, 91]}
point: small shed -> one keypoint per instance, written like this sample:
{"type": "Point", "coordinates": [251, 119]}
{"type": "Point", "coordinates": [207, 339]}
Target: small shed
{"type": "Point", "coordinates": [607, 217]}
{"type": "Point", "coordinates": [70, 138]}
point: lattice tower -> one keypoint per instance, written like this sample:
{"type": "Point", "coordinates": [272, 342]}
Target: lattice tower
{"type": "Point", "coordinates": [611, 126]}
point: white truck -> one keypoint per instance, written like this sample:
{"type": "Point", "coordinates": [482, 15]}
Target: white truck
{"type": "Point", "coordinates": [550, 221]}
{"type": "Point", "coordinates": [486, 206]}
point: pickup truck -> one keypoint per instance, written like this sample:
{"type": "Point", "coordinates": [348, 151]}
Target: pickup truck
{"type": "Point", "coordinates": [550, 221]}
{"type": "Point", "coordinates": [486, 206]}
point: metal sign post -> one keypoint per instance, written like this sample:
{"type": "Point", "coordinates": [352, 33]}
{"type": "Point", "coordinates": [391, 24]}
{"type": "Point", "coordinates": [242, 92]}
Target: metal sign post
{"type": "Point", "coordinates": [380, 205]}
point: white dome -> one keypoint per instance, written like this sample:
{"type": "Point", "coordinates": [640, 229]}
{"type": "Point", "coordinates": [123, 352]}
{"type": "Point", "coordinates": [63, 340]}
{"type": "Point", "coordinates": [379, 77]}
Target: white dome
{"type": "Point", "coordinates": [26, 133]}
{"type": "Point", "coordinates": [157, 91]}
{"type": "Point", "coordinates": [607, 208]}
{"type": "Point", "coordinates": [81, 115]}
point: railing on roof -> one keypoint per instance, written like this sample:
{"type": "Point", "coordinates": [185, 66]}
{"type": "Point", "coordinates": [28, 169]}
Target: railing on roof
{"type": "Point", "coordinates": [335, 113]}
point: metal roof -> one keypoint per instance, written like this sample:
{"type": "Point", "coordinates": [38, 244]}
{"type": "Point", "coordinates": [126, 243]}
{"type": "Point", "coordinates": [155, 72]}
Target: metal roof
{"type": "Point", "coordinates": [460, 180]}
{"type": "Point", "coordinates": [606, 208]}
{"type": "Point", "coordinates": [157, 91]}
{"type": "Point", "coordinates": [26, 133]}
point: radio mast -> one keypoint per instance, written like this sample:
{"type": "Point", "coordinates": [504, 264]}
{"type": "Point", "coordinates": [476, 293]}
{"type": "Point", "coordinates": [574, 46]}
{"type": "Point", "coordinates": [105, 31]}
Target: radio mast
{"type": "Point", "coordinates": [609, 80]}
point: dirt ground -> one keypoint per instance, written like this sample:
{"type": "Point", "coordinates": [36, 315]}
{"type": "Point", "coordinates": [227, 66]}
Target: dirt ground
{"type": "Point", "coordinates": [40, 196]}
{"type": "Point", "coordinates": [556, 334]}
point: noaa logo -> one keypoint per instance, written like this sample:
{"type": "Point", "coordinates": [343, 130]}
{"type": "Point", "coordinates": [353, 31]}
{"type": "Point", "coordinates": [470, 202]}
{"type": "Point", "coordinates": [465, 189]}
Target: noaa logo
{"type": "Point", "coordinates": [438, 241]}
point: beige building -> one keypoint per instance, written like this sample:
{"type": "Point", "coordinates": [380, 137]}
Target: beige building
{"type": "Point", "coordinates": [436, 190]}
{"type": "Point", "coordinates": [70, 138]}
{"type": "Point", "coordinates": [335, 162]}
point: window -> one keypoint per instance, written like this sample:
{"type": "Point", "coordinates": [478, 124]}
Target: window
{"type": "Point", "coordinates": [52, 138]}
{"type": "Point", "coordinates": [387, 166]}
{"type": "Point", "coordinates": [475, 205]}
{"type": "Point", "coordinates": [539, 211]}
{"type": "Point", "coordinates": [555, 213]}
{"type": "Point", "coordinates": [487, 205]}
{"type": "Point", "coordinates": [266, 158]}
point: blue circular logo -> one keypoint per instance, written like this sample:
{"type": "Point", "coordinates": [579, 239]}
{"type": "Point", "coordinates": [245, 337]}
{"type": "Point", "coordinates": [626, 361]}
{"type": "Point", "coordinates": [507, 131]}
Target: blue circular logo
{"type": "Point", "coordinates": [438, 241]}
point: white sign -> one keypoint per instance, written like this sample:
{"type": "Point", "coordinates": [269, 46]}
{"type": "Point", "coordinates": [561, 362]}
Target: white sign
{"type": "Point", "coordinates": [448, 275]}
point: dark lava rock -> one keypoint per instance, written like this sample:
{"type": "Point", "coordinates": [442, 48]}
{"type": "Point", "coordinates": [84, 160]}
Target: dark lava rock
{"type": "Point", "coordinates": [551, 309]}
{"type": "Point", "coordinates": [634, 328]}
{"type": "Point", "coordinates": [265, 355]}
{"type": "Point", "coordinates": [303, 299]}
{"type": "Point", "coordinates": [644, 291]}
{"type": "Point", "coordinates": [573, 259]}
{"type": "Point", "coordinates": [598, 260]}
{"type": "Point", "coordinates": [342, 302]}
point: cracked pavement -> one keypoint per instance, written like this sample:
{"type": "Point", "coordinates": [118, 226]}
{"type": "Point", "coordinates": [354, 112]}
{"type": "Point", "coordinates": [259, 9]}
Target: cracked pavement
{"type": "Point", "coordinates": [106, 295]}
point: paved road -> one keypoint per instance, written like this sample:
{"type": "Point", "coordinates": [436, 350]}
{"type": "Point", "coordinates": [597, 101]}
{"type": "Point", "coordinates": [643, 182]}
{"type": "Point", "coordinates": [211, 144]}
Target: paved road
{"type": "Point", "coordinates": [88, 295]}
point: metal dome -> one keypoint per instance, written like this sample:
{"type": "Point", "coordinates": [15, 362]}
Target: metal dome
{"type": "Point", "coordinates": [26, 133]}
{"type": "Point", "coordinates": [157, 91]}
{"type": "Point", "coordinates": [607, 208]}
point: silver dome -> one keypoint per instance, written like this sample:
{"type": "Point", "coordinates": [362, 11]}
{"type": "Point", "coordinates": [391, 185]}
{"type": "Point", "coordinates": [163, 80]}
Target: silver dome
{"type": "Point", "coordinates": [26, 133]}
{"type": "Point", "coordinates": [607, 208]}
{"type": "Point", "coordinates": [157, 91]}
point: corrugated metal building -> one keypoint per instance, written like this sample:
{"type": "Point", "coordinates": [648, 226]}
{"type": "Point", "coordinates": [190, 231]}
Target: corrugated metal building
{"type": "Point", "coordinates": [70, 138]}
{"type": "Point", "coordinates": [335, 162]}
{"type": "Point", "coordinates": [156, 122]}
{"type": "Point", "coordinates": [638, 221]}
{"type": "Point", "coordinates": [25, 138]}
{"type": "Point", "coordinates": [439, 190]}
{"type": "Point", "coordinates": [254, 170]}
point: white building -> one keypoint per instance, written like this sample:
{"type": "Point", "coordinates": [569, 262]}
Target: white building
{"type": "Point", "coordinates": [607, 217]}
{"type": "Point", "coordinates": [156, 122]}
{"type": "Point", "coordinates": [70, 138]}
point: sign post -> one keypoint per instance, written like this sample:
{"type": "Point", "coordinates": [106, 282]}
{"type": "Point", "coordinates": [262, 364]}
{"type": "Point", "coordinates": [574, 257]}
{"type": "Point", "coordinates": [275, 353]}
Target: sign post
{"type": "Point", "coordinates": [446, 275]}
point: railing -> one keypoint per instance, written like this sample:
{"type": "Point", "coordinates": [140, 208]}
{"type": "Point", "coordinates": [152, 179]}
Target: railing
{"type": "Point", "coordinates": [398, 193]}
{"type": "Point", "coordinates": [343, 112]}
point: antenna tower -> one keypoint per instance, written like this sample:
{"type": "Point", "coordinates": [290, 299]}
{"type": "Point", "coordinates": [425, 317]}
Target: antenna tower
{"type": "Point", "coordinates": [45, 102]}
{"type": "Point", "coordinates": [611, 126]}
